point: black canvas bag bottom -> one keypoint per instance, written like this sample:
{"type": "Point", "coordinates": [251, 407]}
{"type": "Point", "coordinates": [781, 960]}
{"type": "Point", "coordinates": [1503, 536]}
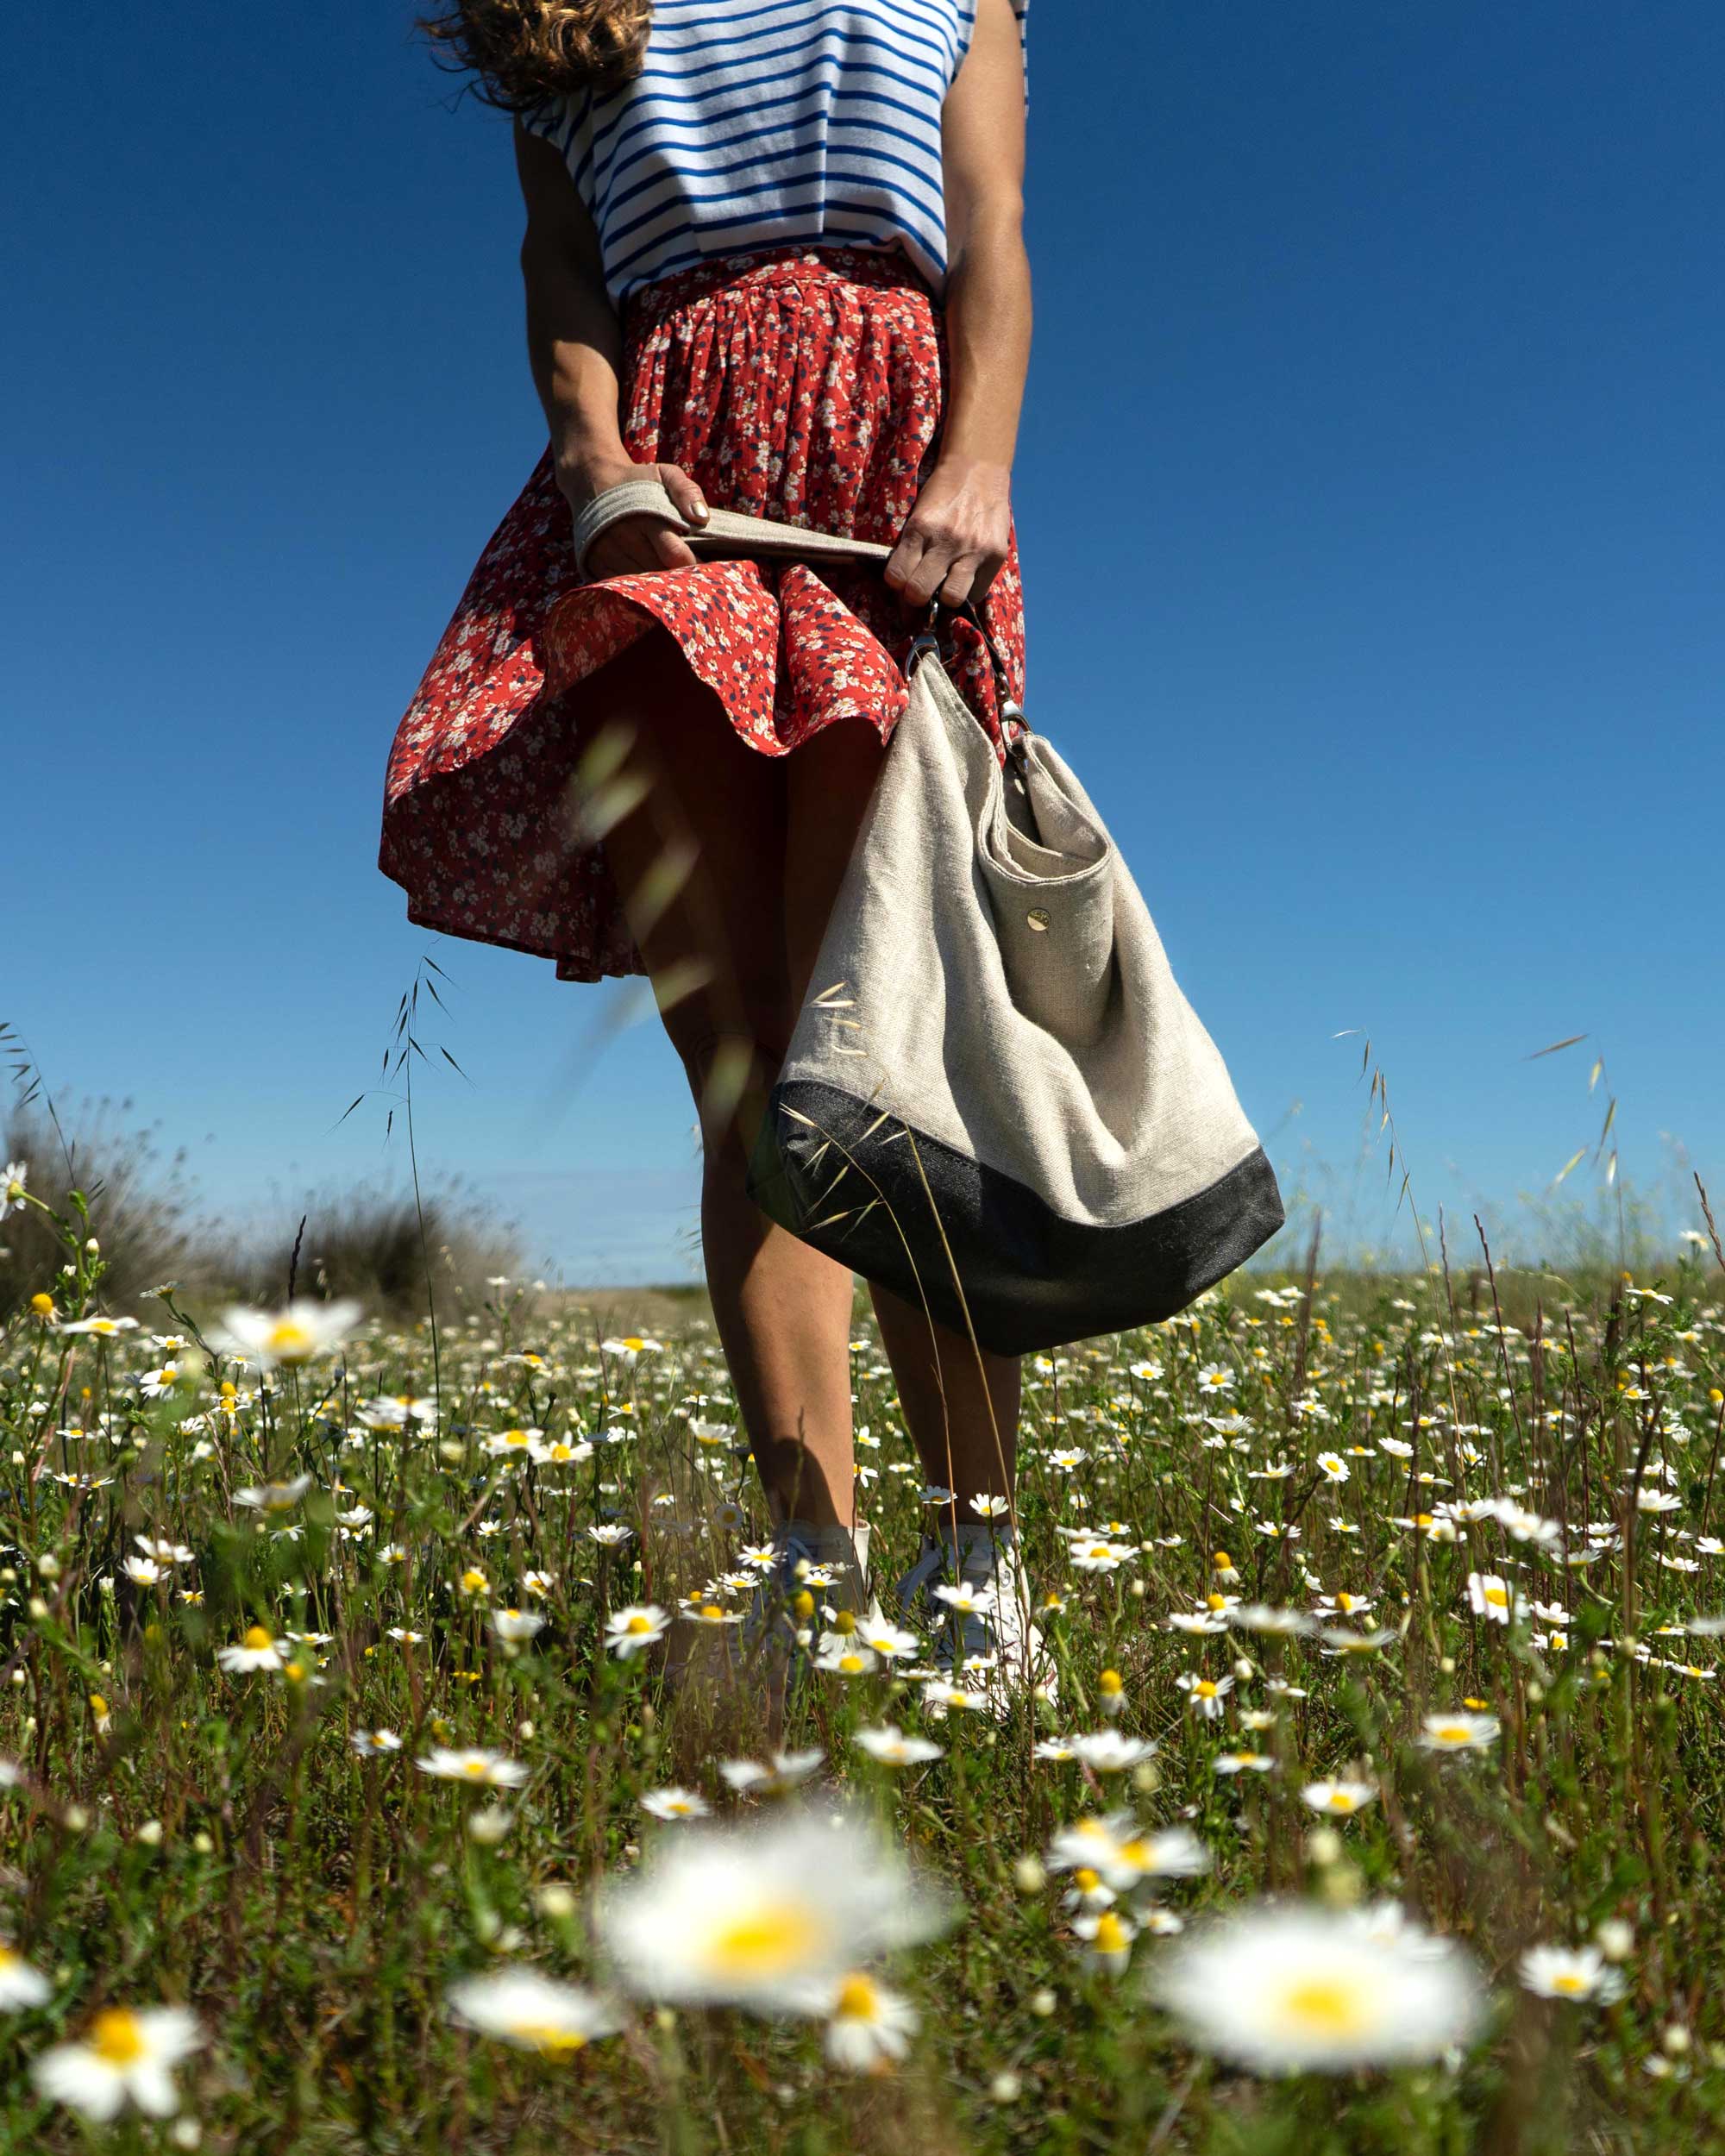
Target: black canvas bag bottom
{"type": "Point", "coordinates": [907, 1211]}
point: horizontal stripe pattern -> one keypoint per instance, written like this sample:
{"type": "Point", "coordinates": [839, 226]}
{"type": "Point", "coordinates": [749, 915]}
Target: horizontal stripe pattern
{"type": "Point", "coordinates": [764, 122]}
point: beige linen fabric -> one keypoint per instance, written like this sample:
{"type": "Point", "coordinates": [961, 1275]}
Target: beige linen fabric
{"type": "Point", "coordinates": [1008, 995]}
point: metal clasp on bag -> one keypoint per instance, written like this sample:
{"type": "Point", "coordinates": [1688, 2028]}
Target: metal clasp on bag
{"type": "Point", "coordinates": [926, 643]}
{"type": "Point", "coordinates": [1012, 716]}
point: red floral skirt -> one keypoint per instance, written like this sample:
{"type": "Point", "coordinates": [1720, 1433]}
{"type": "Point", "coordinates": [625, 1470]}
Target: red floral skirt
{"type": "Point", "coordinates": [801, 383]}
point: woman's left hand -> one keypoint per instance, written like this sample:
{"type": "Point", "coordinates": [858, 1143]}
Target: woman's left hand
{"type": "Point", "coordinates": [957, 537]}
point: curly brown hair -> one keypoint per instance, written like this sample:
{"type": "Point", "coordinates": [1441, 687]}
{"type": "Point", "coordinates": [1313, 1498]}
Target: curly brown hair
{"type": "Point", "coordinates": [523, 53]}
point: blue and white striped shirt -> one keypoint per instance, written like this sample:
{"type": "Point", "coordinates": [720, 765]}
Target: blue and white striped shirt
{"type": "Point", "coordinates": [757, 123]}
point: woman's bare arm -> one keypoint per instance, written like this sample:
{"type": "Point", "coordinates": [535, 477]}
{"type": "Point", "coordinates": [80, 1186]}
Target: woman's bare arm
{"type": "Point", "coordinates": [574, 346]}
{"type": "Point", "coordinates": [955, 538]}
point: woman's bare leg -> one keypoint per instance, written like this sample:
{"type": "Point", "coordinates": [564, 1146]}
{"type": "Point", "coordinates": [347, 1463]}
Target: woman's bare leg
{"type": "Point", "coordinates": [698, 849]}
{"type": "Point", "coordinates": [961, 1403]}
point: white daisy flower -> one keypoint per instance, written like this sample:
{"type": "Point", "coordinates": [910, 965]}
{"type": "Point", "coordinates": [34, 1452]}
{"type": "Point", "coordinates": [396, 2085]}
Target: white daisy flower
{"type": "Point", "coordinates": [1340, 1799]}
{"type": "Point", "coordinates": [273, 1496]}
{"type": "Point", "coordinates": [1566, 1973]}
{"type": "Point", "coordinates": [1491, 1597]}
{"type": "Point", "coordinates": [1458, 1732]}
{"type": "Point", "coordinates": [1118, 1850]}
{"type": "Point", "coordinates": [868, 2027]}
{"type": "Point", "coordinates": [125, 2057]}
{"type": "Point", "coordinates": [1106, 1751]}
{"type": "Point", "coordinates": [893, 1748]}
{"type": "Point", "coordinates": [635, 1626]}
{"type": "Point", "coordinates": [301, 1332]}
{"type": "Point", "coordinates": [784, 1770]}
{"type": "Point", "coordinates": [760, 1917]}
{"type": "Point", "coordinates": [1286, 1988]}
{"type": "Point", "coordinates": [674, 1804]}
{"type": "Point", "coordinates": [492, 1770]}
{"type": "Point", "coordinates": [520, 2007]}
{"type": "Point", "coordinates": [20, 1986]}
{"type": "Point", "coordinates": [258, 1650]}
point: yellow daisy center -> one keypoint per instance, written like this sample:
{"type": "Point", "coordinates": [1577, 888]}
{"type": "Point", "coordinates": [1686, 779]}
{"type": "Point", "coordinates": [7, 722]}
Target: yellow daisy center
{"type": "Point", "coordinates": [1325, 2006]}
{"type": "Point", "coordinates": [257, 1639]}
{"type": "Point", "coordinates": [288, 1339]}
{"type": "Point", "coordinates": [638, 1623]}
{"type": "Point", "coordinates": [1111, 1938]}
{"type": "Point", "coordinates": [857, 2000]}
{"type": "Point", "coordinates": [544, 2038]}
{"type": "Point", "coordinates": [116, 2037]}
{"type": "Point", "coordinates": [770, 1939]}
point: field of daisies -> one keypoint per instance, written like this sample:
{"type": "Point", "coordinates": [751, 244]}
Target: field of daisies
{"type": "Point", "coordinates": [386, 1761]}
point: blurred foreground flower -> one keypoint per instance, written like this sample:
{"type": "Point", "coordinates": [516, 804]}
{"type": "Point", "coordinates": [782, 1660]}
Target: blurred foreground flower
{"type": "Point", "coordinates": [493, 1770]}
{"type": "Point", "coordinates": [301, 1332]}
{"type": "Point", "coordinates": [258, 1650]}
{"type": "Point", "coordinates": [126, 2056]}
{"type": "Point", "coordinates": [637, 1625]}
{"type": "Point", "coordinates": [675, 1803]}
{"type": "Point", "coordinates": [764, 1916]}
{"type": "Point", "coordinates": [782, 1772]}
{"type": "Point", "coordinates": [1122, 1854]}
{"type": "Point", "coordinates": [522, 2007]}
{"type": "Point", "coordinates": [1284, 1988]}
{"type": "Point", "coordinates": [1458, 1732]}
{"type": "Point", "coordinates": [19, 1984]}
{"type": "Point", "coordinates": [1563, 1972]}
{"type": "Point", "coordinates": [893, 1748]}
{"type": "Point", "coordinates": [273, 1496]}
{"type": "Point", "coordinates": [868, 2027]}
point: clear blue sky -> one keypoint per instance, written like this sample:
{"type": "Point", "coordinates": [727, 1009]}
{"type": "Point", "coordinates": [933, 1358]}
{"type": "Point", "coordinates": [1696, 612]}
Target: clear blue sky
{"type": "Point", "coordinates": [1368, 501]}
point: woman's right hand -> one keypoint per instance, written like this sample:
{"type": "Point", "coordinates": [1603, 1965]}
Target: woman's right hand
{"type": "Point", "coordinates": [641, 540]}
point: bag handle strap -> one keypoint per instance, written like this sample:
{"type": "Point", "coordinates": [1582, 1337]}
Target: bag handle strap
{"type": "Point", "coordinates": [723, 531]}
{"type": "Point", "coordinates": [731, 531]}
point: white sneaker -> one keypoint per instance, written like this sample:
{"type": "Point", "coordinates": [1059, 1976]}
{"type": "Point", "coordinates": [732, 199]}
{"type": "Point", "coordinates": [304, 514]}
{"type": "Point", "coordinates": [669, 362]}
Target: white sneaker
{"type": "Point", "coordinates": [831, 1562]}
{"type": "Point", "coordinates": [973, 1595]}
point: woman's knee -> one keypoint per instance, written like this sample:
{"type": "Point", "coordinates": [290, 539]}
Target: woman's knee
{"type": "Point", "coordinates": [730, 1066]}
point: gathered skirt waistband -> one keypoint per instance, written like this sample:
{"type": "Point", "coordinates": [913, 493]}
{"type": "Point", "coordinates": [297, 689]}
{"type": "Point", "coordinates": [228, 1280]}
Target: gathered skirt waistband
{"type": "Point", "coordinates": [888, 268]}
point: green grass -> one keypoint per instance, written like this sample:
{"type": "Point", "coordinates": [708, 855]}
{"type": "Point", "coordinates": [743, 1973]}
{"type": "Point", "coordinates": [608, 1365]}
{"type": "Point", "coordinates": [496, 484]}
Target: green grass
{"type": "Point", "coordinates": [179, 1833]}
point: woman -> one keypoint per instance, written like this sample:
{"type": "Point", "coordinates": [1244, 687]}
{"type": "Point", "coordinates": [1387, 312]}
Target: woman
{"type": "Point", "coordinates": [774, 258]}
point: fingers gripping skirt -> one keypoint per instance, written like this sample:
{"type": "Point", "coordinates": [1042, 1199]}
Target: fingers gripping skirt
{"type": "Point", "coordinates": [806, 383]}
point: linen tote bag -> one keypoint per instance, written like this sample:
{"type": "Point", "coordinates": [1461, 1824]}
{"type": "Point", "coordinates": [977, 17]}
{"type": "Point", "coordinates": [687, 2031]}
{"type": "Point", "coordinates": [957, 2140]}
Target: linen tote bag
{"type": "Point", "coordinates": [996, 1101]}
{"type": "Point", "coordinates": [996, 1096]}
